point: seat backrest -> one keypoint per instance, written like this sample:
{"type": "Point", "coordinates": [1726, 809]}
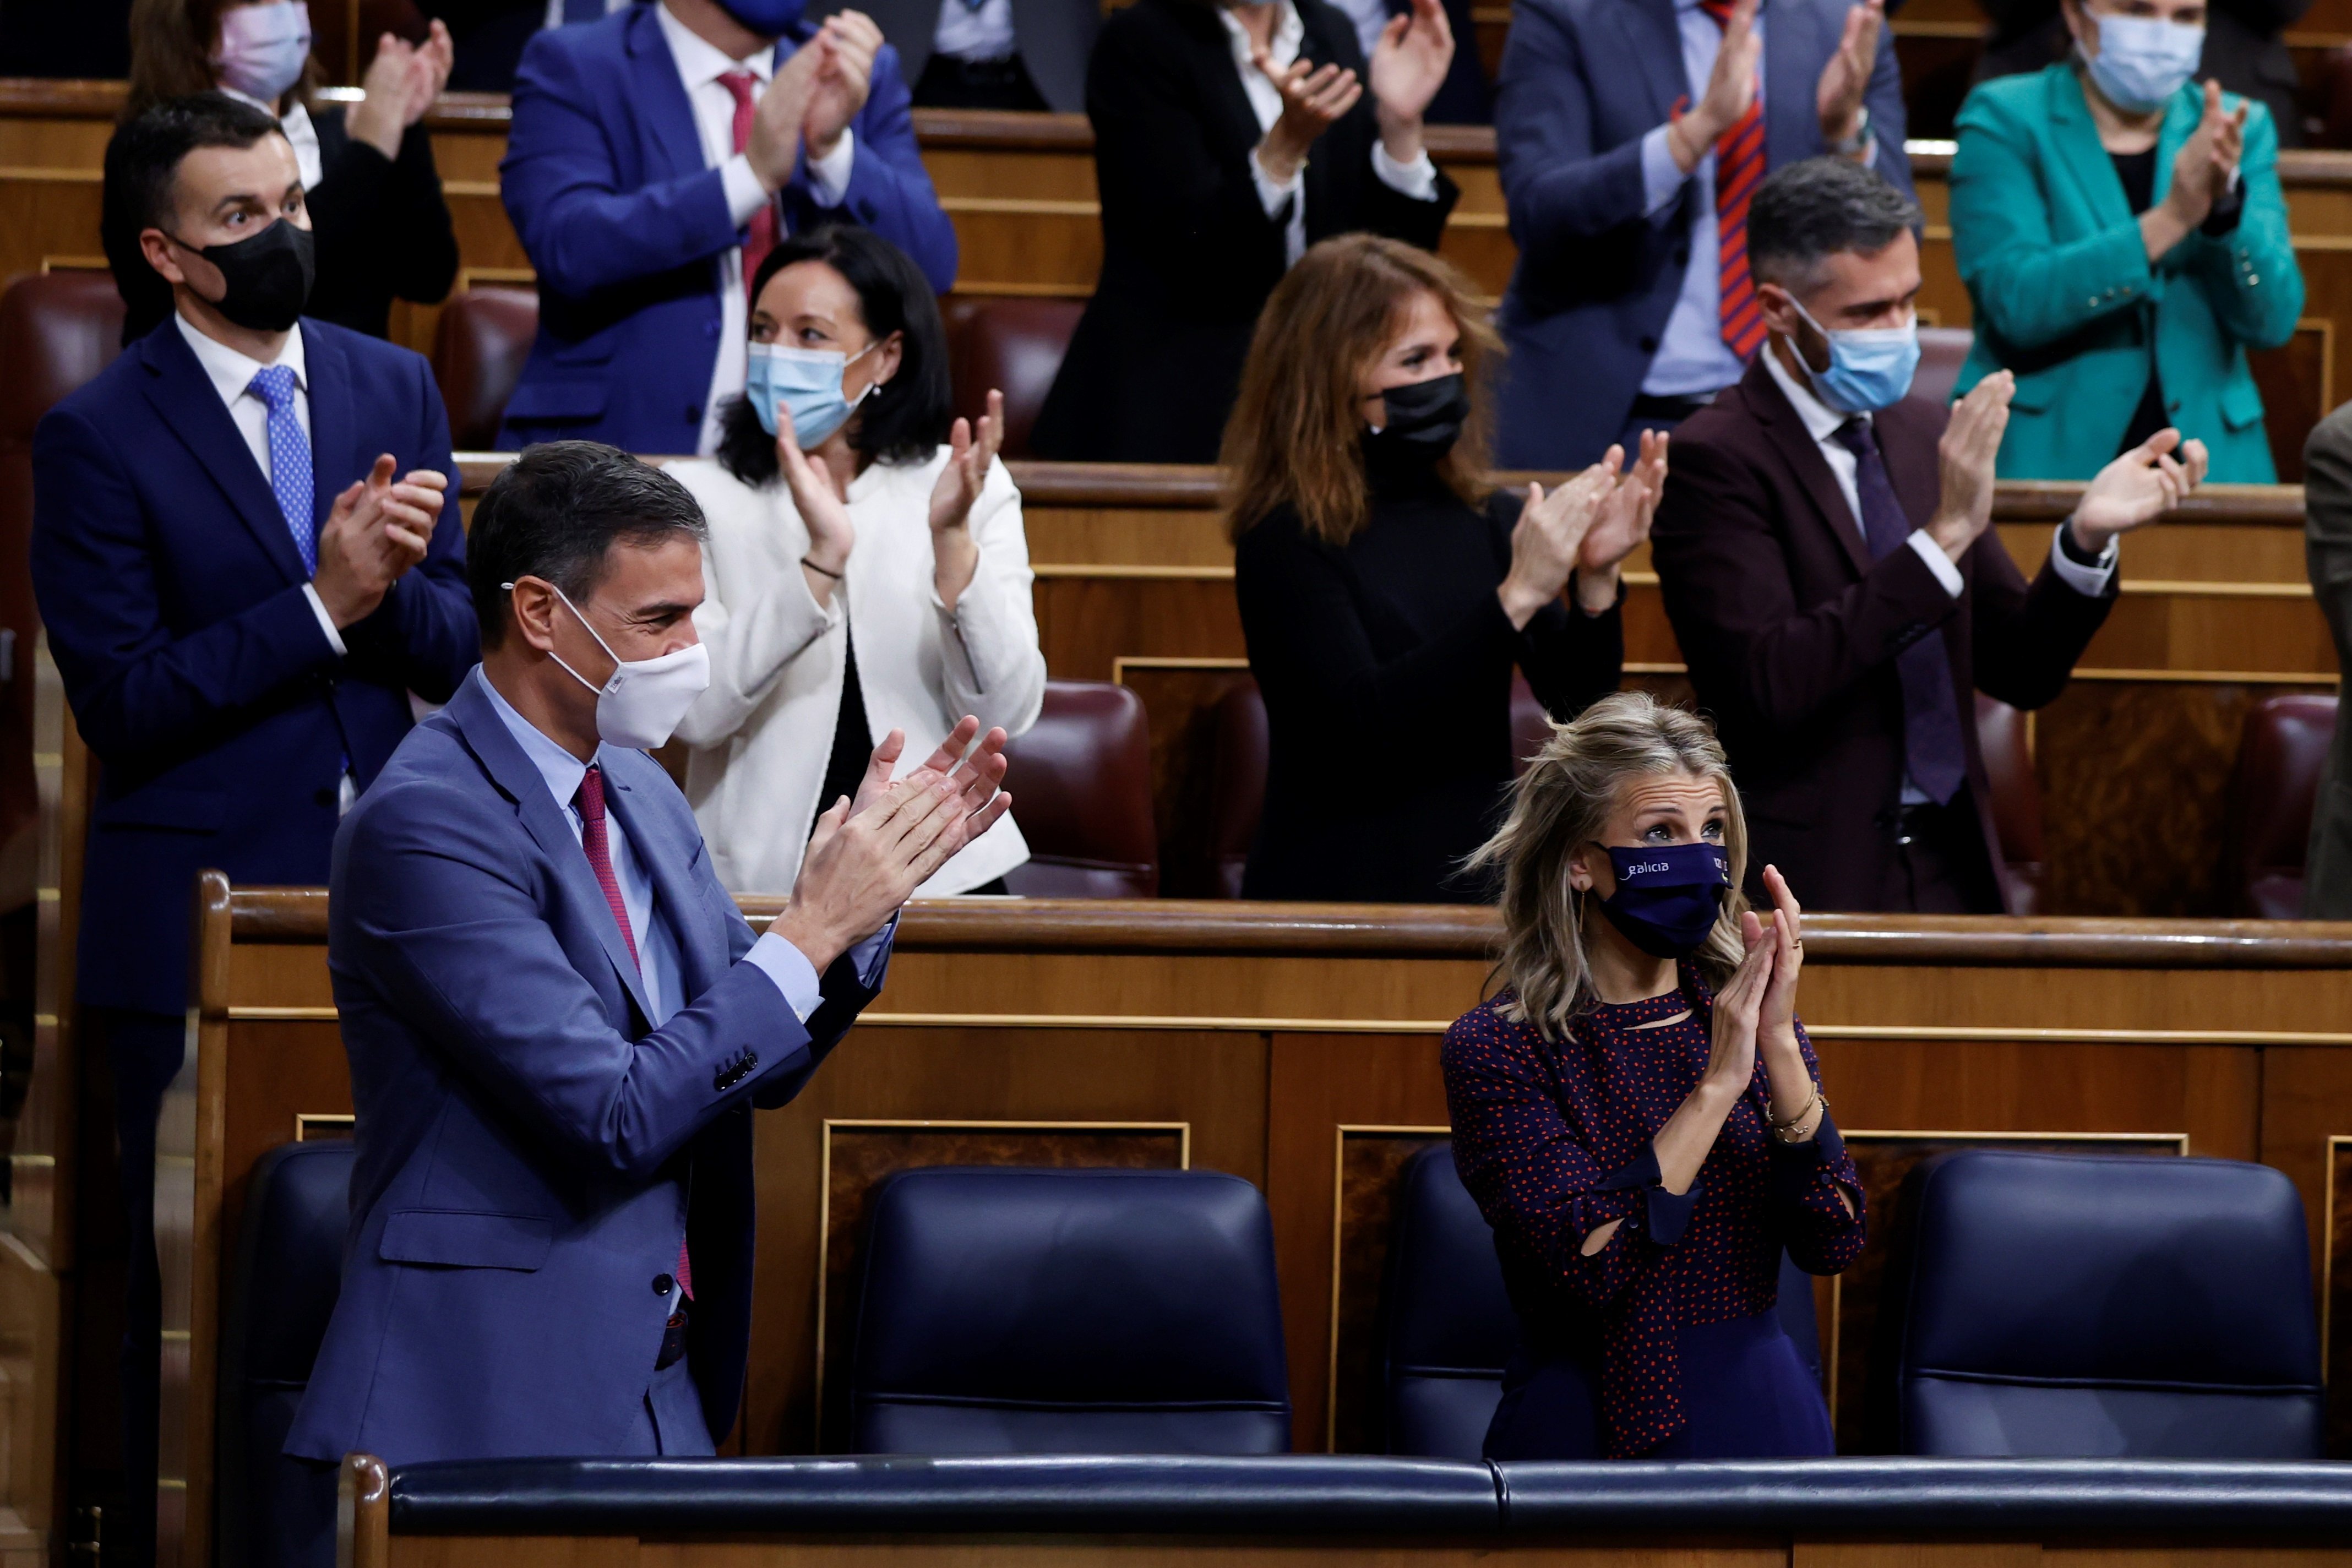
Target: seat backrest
{"type": "Point", "coordinates": [1013, 346]}
{"type": "Point", "coordinates": [57, 330]}
{"type": "Point", "coordinates": [276, 1302]}
{"type": "Point", "coordinates": [2023, 868]}
{"type": "Point", "coordinates": [2070, 1306]}
{"type": "Point", "coordinates": [1236, 782]}
{"type": "Point", "coordinates": [1447, 1329]}
{"type": "Point", "coordinates": [1068, 1312]}
{"type": "Point", "coordinates": [1081, 786]}
{"type": "Point", "coordinates": [484, 336]}
{"type": "Point", "coordinates": [2281, 755]}
{"type": "Point", "coordinates": [1942, 351]}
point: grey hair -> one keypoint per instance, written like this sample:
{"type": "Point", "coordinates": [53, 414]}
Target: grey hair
{"type": "Point", "coordinates": [1806, 212]}
{"type": "Point", "coordinates": [1561, 803]}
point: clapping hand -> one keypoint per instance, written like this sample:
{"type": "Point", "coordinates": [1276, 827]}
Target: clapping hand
{"type": "Point", "coordinates": [375, 532]}
{"type": "Point", "coordinates": [1730, 90]}
{"type": "Point", "coordinates": [955, 556]}
{"type": "Point", "coordinates": [2202, 169]}
{"type": "Point", "coordinates": [1847, 76]}
{"type": "Point", "coordinates": [1549, 534]}
{"type": "Point", "coordinates": [773, 148]}
{"type": "Point", "coordinates": [2138, 486]}
{"type": "Point", "coordinates": [844, 74]}
{"type": "Point", "coordinates": [1313, 98]}
{"type": "Point", "coordinates": [1409, 65]}
{"type": "Point", "coordinates": [832, 534]}
{"type": "Point", "coordinates": [1621, 525]}
{"type": "Point", "coordinates": [1970, 444]}
{"type": "Point", "coordinates": [401, 84]}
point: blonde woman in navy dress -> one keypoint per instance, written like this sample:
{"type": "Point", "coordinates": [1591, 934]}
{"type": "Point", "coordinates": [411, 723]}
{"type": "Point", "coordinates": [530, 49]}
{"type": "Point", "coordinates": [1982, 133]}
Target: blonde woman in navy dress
{"type": "Point", "coordinates": [1638, 1112]}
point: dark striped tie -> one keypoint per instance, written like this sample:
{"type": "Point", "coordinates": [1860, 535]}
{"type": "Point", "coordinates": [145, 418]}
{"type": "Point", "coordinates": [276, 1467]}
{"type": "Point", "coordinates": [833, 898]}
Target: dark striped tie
{"type": "Point", "coordinates": [1738, 166]}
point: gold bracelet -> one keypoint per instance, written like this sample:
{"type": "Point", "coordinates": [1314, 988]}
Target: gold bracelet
{"type": "Point", "coordinates": [1780, 1129]}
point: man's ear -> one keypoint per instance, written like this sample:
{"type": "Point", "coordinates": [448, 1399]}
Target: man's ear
{"type": "Point", "coordinates": [162, 255]}
{"type": "Point", "coordinates": [532, 605]}
{"type": "Point", "coordinates": [1780, 314]}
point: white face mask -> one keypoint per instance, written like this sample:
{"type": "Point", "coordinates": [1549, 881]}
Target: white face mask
{"type": "Point", "coordinates": [639, 706]}
{"type": "Point", "coordinates": [263, 49]}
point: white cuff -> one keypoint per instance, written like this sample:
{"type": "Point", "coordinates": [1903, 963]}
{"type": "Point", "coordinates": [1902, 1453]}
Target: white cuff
{"type": "Point", "coordinates": [745, 195]}
{"type": "Point", "coordinates": [829, 176]}
{"type": "Point", "coordinates": [1417, 179]}
{"type": "Point", "coordinates": [1662, 177]}
{"type": "Point", "coordinates": [2088, 581]}
{"type": "Point", "coordinates": [1270, 195]}
{"type": "Point", "coordinates": [789, 968]}
{"type": "Point", "coordinates": [326, 621]}
{"type": "Point", "coordinates": [1870, 152]}
{"type": "Point", "coordinates": [1937, 562]}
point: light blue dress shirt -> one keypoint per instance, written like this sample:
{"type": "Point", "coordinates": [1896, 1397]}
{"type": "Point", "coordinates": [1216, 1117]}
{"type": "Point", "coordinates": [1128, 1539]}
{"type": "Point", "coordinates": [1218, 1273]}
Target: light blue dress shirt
{"type": "Point", "coordinates": [659, 965]}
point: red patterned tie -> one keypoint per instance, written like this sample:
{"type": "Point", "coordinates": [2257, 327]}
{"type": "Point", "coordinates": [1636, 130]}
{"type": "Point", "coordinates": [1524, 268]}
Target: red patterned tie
{"type": "Point", "coordinates": [1738, 166]}
{"type": "Point", "coordinates": [590, 802]}
{"type": "Point", "coordinates": [761, 236]}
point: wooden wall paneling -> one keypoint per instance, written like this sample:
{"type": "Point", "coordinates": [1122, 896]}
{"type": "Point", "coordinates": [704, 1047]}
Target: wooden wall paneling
{"type": "Point", "coordinates": [856, 1156]}
{"type": "Point", "coordinates": [2298, 386]}
{"type": "Point", "coordinates": [2305, 1119]}
{"type": "Point", "coordinates": [1318, 1083]}
{"type": "Point", "coordinates": [1368, 1162]}
{"type": "Point", "coordinates": [1086, 622]}
{"type": "Point", "coordinates": [1179, 699]}
{"type": "Point", "coordinates": [1208, 1084]}
{"type": "Point", "coordinates": [1883, 1159]}
{"type": "Point", "coordinates": [46, 213]}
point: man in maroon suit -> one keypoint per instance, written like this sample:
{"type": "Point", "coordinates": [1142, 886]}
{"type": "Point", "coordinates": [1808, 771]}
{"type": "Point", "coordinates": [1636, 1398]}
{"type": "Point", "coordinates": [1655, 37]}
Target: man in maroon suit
{"type": "Point", "coordinates": [1825, 558]}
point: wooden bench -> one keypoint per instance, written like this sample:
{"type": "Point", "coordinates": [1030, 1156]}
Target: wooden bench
{"type": "Point", "coordinates": [1296, 1046]}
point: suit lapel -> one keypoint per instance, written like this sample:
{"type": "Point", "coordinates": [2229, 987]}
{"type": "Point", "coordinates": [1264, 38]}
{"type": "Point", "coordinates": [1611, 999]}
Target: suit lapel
{"type": "Point", "coordinates": [2075, 137]}
{"type": "Point", "coordinates": [184, 395]}
{"type": "Point", "coordinates": [1654, 38]}
{"type": "Point", "coordinates": [666, 860]}
{"type": "Point", "coordinates": [1785, 432]}
{"type": "Point", "coordinates": [661, 96]}
{"type": "Point", "coordinates": [333, 463]}
{"type": "Point", "coordinates": [486, 736]}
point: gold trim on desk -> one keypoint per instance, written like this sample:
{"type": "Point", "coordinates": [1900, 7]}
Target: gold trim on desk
{"type": "Point", "coordinates": [1183, 1130]}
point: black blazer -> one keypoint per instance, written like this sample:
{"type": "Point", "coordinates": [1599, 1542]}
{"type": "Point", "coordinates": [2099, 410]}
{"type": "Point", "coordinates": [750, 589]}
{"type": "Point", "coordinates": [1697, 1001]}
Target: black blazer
{"type": "Point", "coordinates": [1189, 252]}
{"type": "Point", "coordinates": [384, 232]}
{"type": "Point", "coordinates": [1791, 631]}
{"type": "Point", "coordinates": [1398, 634]}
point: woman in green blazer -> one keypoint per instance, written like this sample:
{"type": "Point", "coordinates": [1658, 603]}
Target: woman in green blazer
{"type": "Point", "coordinates": [2123, 316]}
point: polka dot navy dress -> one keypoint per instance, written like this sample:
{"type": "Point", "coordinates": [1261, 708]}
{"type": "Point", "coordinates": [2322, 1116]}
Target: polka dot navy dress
{"type": "Point", "coordinates": [1664, 1344]}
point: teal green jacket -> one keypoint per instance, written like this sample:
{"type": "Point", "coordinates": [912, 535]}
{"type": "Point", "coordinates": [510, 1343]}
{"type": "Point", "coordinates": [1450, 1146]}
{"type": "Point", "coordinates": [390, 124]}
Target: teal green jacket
{"type": "Point", "coordinates": [2065, 296]}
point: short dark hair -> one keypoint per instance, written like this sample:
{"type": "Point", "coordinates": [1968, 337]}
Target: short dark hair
{"type": "Point", "coordinates": [142, 168]}
{"type": "Point", "coordinates": [556, 513]}
{"type": "Point", "coordinates": [902, 422]}
{"type": "Point", "coordinates": [1806, 212]}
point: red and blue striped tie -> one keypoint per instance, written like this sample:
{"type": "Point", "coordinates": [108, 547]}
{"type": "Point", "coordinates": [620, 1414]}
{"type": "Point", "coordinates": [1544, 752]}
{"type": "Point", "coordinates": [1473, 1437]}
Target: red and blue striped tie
{"type": "Point", "coordinates": [1738, 166]}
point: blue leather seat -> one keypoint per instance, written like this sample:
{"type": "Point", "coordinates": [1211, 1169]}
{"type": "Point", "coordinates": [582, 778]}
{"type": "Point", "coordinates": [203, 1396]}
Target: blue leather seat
{"type": "Point", "coordinates": [1448, 1327]}
{"type": "Point", "coordinates": [280, 1291]}
{"type": "Point", "coordinates": [1070, 1311]}
{"type": "Point", "coordinates": [2095, 1306]}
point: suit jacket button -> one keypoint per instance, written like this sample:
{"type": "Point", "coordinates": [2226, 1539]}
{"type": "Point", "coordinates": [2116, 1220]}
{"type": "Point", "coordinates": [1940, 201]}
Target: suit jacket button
{"type": "Point", "coordinates": [661, 1283]}
{"type": "Point", "coordinates": [1649, 345]}
{"type": "Point", "coordinates": [694, 411]}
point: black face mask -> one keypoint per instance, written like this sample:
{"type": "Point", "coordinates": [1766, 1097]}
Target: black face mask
{"type": "Point", "coordinates": [1425, 419]}
{"type": "Point", "coordinates": [267, 277]}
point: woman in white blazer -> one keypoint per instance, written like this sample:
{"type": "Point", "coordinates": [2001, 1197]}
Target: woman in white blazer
{"type": "Point", "coordinates": [865, 571]}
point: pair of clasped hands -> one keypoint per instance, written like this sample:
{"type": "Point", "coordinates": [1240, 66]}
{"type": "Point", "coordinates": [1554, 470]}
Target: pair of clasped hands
{"type": "Point", "coordinates": [377, 529]}
{"type": "Point", "coordinates": [1731, 86]}
{"type": "Point", "coordinates": [1583, 528]}
{"type": "Point", "coordinates": [812, 97]}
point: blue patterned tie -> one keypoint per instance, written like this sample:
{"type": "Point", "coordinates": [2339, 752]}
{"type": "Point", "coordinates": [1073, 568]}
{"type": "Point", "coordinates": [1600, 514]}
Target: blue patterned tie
{"type": "Point", "coordinates": [289, 461]}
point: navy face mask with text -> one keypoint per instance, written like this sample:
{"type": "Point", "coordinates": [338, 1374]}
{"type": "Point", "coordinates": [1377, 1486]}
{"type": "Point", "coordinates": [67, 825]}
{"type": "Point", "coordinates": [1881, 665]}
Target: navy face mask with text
{"type": "Point", "coordinates": [1668, 896]}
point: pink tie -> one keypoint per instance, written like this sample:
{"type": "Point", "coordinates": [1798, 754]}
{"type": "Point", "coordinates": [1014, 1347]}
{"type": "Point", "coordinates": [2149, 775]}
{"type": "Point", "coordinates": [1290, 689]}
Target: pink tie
{"type": "Point", "coordinates": [590, 801]}
{"type": "Point", "coordinates": [762, 236]}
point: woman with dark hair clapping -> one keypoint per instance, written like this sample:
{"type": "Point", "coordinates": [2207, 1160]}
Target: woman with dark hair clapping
{"type": "Point", "coordinates": [865, 571]}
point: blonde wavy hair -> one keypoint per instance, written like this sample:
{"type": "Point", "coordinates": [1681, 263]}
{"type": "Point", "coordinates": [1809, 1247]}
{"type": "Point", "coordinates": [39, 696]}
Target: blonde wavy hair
{"type": "Point", "coordinates": [1295, 437]}
{"type": "Point", "coordinates": [1562, 803]}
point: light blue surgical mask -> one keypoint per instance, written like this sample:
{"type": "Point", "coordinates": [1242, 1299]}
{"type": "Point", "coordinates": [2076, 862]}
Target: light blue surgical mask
{"type": "Point", "coordinates": [1870, 367]}
{"type": "Point", "coordinates": [805, 381]}
{"type": "Point", "coordinates": [263, 49]}
{"type": "Point", "coordinates": [2142, 61]}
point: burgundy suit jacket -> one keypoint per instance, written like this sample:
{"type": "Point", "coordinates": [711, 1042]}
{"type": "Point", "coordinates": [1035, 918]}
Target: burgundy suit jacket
{"type": "Point", "coordinates": [1791, 631]}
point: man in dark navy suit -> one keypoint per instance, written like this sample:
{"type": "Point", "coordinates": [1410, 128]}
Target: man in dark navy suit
{"type": "Point", "coordinates": [655, 155]}
{"type": "Point", "coordinates": [248, 557]}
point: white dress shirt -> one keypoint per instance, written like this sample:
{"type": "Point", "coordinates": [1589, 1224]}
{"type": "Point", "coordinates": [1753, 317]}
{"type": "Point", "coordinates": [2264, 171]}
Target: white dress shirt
{"type": "Point", "coordinates": [1417, 179]}
{"type": "Point", "coordinates": [661, 967]}
{"type": "Point", "coordinates": [232, 376]}
{"type": "Point", "coordinates": [1823, 423]}
{"type": "Point", "coordinates": [1692, 359]}
{"type": "Point", "coordinates": [976, 32]}
{"type": "Point", "coordinates": [299, 133]}
{"type": "Point", "coordinates": [701, 64]}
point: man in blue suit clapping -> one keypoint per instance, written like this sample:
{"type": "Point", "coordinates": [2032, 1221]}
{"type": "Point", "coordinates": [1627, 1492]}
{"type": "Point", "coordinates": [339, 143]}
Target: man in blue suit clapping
{"type": "Point", "coordinates": [655, 155]}
{"type": "Point", "coordinates": [558, 1021]}
{"type": "Point", "coordinates": [247, 555]}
